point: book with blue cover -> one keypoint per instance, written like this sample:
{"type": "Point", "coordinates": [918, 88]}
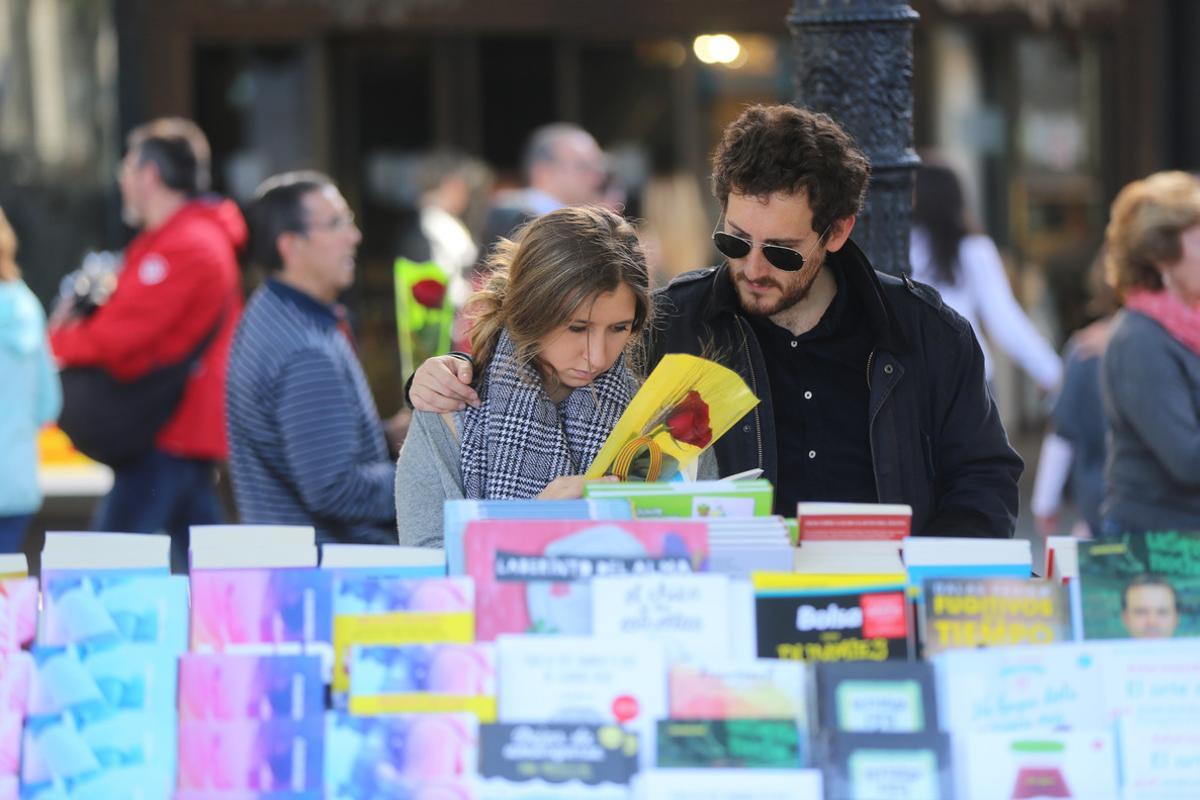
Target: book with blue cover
{"type": "Point", "coordinates": [423, 678]}
{"type": "Point", "coordinates": [275, 755]}
{"type": "Point", "coordinates": [135, 606]}
{"type": "Point", "coordinates": [385, 610]}
{"type": "Point", "coordinates": [459, 512]}
{"type": "Point", "coordinates": [399, 756]}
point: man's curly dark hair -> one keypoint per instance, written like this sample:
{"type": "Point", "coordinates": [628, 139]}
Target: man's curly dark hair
{"type": "Point", "coordinates": [783, 148]}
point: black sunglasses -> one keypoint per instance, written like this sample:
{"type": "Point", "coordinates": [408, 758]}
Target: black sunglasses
{"type": "Point", "coordinates": [784, 258]}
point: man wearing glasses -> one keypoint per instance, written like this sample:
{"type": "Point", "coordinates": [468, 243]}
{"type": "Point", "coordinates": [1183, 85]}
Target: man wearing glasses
{"type": "Point", "coordinates": [872, 390]}
{"type": "Point", "coordinates": [306, 443]}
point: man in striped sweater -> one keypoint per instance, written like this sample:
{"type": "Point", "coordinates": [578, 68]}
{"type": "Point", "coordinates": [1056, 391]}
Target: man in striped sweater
{"type": "Point", "coordinates": [306, 443]}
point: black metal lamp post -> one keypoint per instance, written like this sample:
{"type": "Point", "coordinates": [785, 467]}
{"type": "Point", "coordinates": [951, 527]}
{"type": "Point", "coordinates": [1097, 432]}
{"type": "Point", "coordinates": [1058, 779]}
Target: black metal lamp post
{"type": "Point", "coordinates": [854, 62]}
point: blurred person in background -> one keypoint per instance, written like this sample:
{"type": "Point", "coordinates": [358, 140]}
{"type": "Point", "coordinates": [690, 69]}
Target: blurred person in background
{"type": "Point", "coordinates": [563, 166]}
{"type": "Point", "coordinates": [1151, 370]}
{"type": "Point", "coordinates": [307, 446]}
{"type": "Point", "coordinates": [178, 293]}
{"type": "Point", "coordinates": [31, 396]}
{"type": "Point", "coordinates": [1073, 452]}
{"type": "Point", "coordinates": [966, 269]}
{"type": "Point", "coordinates": [675, 226]}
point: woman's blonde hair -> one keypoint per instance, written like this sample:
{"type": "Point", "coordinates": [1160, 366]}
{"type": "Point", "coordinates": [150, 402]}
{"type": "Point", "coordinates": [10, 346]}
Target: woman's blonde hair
{"type": "Point", "coordinates": [9, 271]}
{"type": "Point", "coordinates": [1144, 227]}
{"type": "Point", "coordinates": [550, 268]}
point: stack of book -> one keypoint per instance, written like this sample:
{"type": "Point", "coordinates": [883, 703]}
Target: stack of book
{"type": "Point", "coordinates": [18, 625]}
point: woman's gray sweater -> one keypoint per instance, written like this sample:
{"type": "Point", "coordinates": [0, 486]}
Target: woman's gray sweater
{"type": "Point", "coordinates": [1151, 385]}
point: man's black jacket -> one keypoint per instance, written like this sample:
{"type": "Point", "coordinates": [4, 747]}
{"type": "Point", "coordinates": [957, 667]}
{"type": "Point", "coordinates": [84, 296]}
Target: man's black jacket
{"type": "Point", "coordinates": [937, 443]}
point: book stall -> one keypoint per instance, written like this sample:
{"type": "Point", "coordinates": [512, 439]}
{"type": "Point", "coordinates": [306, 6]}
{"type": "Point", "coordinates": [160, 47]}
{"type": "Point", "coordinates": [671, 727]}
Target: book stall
{"type": "Point", "coordinates": [660, 638]}
{"type": "Point", "coordinates": [592, 648]}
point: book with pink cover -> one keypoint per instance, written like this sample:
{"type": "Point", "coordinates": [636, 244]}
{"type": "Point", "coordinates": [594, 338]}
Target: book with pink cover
{"type": "Point", "coordinates": [764, 688]}
{"type": "Point", "coordinates": [262, 611]}
{"type": "Point", "coordinates": [18, 613]}
{"type": "Point", "coordinates": [278, 755]}
{"type": "Point", "coordinates": [533, 576]}
{"type": "Point", "coordinates": [249, 687]}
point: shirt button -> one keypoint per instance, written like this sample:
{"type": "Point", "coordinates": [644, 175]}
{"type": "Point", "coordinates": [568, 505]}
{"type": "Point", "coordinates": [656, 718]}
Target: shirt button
{"type": "Point", "coordinates": [745, 429]}
{"type": "Point", "coordinates": [812, 453]}
{"type": "Point", "coordinates": [887, 369]}
{"type": "Point", "coordinates": [808, 395]}
{"type": "Point", "coordinates": [794, 343]}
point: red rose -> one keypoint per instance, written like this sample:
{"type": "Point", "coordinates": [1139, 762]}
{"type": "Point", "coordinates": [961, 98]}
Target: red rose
{"type": "Point", "coordinates": [688, 421]}
{"type": "Point", "coordinates": [429, 292]}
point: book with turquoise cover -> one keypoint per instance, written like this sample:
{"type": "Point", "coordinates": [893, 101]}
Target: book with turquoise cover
{"type": "Point", "coordinates": [701, 499]}
{"type": "Point", "coordinates": [135, 606]}
{"type": "Point", "coordinates": [458, 513]}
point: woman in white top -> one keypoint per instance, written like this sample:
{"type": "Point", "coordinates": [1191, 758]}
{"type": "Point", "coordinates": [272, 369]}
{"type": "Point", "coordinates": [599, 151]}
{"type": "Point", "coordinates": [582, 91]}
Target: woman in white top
{"type": "Point", "coordinates": [966, 269]}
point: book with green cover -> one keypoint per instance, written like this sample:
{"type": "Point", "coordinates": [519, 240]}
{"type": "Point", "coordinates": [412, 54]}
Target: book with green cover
{"type": "Point", "coordinates": [743, 743]}
{"type": "Point", "coordinates": [703, 499]}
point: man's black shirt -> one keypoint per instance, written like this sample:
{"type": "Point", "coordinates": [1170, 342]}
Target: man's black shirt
{"type": "Point", "coordinates": [820, 394]}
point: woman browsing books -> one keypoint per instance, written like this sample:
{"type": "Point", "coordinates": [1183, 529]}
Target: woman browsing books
{"type": "Point", "coordinates": [555, 333]}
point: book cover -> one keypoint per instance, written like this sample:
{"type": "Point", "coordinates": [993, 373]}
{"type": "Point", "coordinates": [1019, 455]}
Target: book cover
{"type": "Point", "coordinates": [993, 612]}
{"type": "Point", "coordinates": [1143, 586]}
{"type": "Point", "coordinates": [423, 678]}
{"type": "Point", "coordinates": [221, 687]}
{"type": "Point", "coordinates": [941, 557]}
{"type": "Point", "coordinates": [1006, 766]}
{"type": "Point", "coordinates": [1151, 682]}
{"type": "Point", "coordinates": [729, 784]}
{"type": "Point", "coordinates": [887, 766]}
{"type": "Point", "coordinates": [400, 756]}
{"type": "Point", "coordinates": [18, 614]}
{"type": "Point", "coordinates": [16, 676]}
{"type": "Point", "coordinates": [103, 754]}
{"type": "Point", "coordinates": [1159, 762]}
{"type": "Point", "coordinates": [689, 614]}
{"type": "Point", "coordinates": [457, 513]}
{"type": "Point", "coordinates": [582, 679]}
{"type": "Point", "coordinates": [13, 565]}
{"type": "Point", "coordinates": [555, 758]}
{"type": "Point", "coordinates": [764, 688]}
{"type": "Point", "coordinates": [11, 728]}
{"type": "Point", "coordinates": [740, 743]}
{"type": "Point", "coordinates": [263, 611]}
{"type": "Point", "coordinates": [380, 609]}
{"type": "Point", "coordinates": [108, 676]}
{"type": "Point", "coordinates": [534, 577]}
{"type": "Point", "coordinates": [876, 697]}
{"type": "Point", "coordinates": [695, 499]}
{"type": "Point", "coordinates": [277, 755]}
{"type": "Point", "coordinates": [833, 625]}
{"type": "Point", "coordinates": [852, 521]}
{"type": "Point", "coordinates": [685, 405]}
{"type": "Point", "coordinates": [134, 606]}
{"type": "Point", "coordinates": [1019, 689]}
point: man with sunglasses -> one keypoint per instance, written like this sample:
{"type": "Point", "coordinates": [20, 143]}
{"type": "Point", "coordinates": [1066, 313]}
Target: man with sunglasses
{"type": "Point", "coordinates": [872, 390]}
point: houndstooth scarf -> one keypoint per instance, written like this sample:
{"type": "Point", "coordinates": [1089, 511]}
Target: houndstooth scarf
{"type": "Point", "coordinates": [518, 439]}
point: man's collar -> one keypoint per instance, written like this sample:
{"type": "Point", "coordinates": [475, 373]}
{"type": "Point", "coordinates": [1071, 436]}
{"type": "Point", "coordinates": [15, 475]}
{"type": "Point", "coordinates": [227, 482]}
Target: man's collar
{"type": "Point", "coordinates": [860, 278]}
{"type": "Point", "coordinates": [540, 203]}
{"type": "Point", "coordinates": [323, 313]}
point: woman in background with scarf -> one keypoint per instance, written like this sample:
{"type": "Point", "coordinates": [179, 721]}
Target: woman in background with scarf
{"type": "Point", "coordinates": [1151, 370]}
{"type": "Point", "coordinates": [555, 331]}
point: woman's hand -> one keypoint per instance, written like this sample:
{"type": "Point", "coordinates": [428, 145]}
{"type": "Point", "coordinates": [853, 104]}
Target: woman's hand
{"type": "Point", "coordinates": [570, 487]}
{"type": "Point", "coordinates": [442, 385]}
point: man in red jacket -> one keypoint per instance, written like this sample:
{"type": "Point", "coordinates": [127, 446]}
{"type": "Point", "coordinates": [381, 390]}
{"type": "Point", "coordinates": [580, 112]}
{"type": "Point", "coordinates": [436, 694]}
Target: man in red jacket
{"type": "Point", "coordinates": [178, 284]}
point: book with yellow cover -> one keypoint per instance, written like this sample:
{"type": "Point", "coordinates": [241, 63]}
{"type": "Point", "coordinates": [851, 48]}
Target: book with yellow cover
{"type": "Point", "coordinates": [685, 405]}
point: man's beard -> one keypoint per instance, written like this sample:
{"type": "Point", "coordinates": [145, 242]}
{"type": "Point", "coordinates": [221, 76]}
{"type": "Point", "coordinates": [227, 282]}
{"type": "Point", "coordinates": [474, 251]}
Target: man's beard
{"type": "Point", "coordinates": [789, 295]}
